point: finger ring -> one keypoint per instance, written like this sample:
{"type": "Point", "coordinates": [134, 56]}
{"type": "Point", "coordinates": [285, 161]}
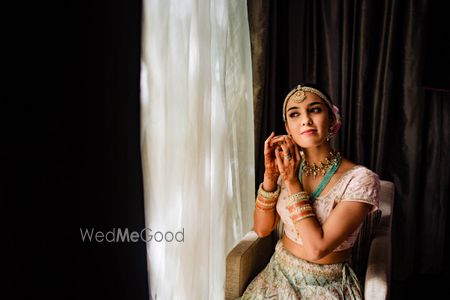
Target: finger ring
{"type": "Point", "coordinates": [288, 157]}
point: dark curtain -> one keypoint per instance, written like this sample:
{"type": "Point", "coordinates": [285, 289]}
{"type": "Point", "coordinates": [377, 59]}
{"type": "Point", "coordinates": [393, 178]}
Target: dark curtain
{"type": "Point", "coordinates": [370, 56]}
{"type": "Point", "coordinates": [72, 156]}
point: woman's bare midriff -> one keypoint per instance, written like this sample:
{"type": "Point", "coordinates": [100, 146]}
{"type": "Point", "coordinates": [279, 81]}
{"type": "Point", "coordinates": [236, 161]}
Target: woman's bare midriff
{"type": "Point", "coordinates": [299, 251]}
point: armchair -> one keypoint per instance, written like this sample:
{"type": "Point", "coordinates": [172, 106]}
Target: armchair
{"type": "Point", "coordinates": [252, 253]}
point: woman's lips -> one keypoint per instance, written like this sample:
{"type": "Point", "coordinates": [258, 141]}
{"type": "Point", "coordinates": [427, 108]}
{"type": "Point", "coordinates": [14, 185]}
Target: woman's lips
{"type": "Point", "coordinates": [309, 132]}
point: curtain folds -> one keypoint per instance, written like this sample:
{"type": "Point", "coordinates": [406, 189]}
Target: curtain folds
{"type": "Point", "coordinates": [258, 11]}
{"type": "Point", "coordinates": [197, 141]}
{"type": "Point", "coordinates": [369, 55]}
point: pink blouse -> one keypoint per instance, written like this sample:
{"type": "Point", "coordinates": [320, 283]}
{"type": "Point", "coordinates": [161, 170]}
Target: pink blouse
{"type": "Point", "coordinates": [357, 184]}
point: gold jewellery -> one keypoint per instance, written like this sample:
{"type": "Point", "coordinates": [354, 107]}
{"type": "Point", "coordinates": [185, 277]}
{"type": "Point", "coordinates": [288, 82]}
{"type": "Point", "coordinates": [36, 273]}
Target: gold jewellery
{"type": "Point", "coordinates": [298, 95]}
{"type": "Point", "coordinates": [266, 201]}
{"type": "Point", "coordinates": [299, 207]}
{"type": "Point", "coordinates": [332, 160]}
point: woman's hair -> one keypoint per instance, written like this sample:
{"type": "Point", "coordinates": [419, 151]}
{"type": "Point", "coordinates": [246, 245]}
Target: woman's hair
{"type": "Point", "coordinates": [299, 92]}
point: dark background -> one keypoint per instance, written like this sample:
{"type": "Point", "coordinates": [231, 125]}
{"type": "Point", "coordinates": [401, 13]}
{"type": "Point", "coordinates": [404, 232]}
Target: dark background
{"type": "Point", "coordinates": [385, 64]}
{"type": "Point", "coordinates": [70, 153]}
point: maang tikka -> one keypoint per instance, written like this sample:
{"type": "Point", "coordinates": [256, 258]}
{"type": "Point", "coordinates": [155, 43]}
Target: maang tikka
{"type": "Point", "coordinates": [298, 95]}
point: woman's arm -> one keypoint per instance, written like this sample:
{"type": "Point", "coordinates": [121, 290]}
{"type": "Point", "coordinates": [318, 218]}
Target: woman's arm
{"type": "Point", "coordinates": [321, 240]}
{"type": "Point", "coordinates": [265, 221]}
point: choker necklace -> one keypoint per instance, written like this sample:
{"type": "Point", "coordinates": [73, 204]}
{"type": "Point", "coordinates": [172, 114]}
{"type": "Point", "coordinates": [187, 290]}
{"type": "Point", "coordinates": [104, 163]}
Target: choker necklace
{"type": "Point", "coordinates": [333, 159]}
{"type": "Point", "coordinates": [326, 169]}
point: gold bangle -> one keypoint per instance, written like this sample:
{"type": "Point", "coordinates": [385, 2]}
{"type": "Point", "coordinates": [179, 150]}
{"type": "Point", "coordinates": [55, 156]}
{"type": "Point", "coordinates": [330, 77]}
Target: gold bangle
{"type": "Point", "coordinates": [265, 206]}
{"type": "Point", "coordinates": [264, 209]}
{"type": "Point", "coordinates": [298, 218]}
{"type": "Point", "coordinates": [297, 214]}
{"type": "Point", "coordinates": [269, 195]}
{"type": "Point", "coordinates": [297, 197]}
{"type": "Point", "coordinates": [298, 204]}
{"type": "Point", "coordinates": [307, 216]}
{"type": "Point", "coordinates": [261, 199]}
{"type": "Point", "coordinates": [296, 210]}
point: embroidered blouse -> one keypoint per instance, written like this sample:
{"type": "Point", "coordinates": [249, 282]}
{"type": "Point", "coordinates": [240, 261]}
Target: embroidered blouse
{"type": "Point", "coordinates": [357, 184]}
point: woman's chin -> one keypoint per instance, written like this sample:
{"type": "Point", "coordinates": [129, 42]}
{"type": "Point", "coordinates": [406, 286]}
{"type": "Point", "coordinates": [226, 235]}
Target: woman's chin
{"type": "Point", "coordinates": [312, 143]}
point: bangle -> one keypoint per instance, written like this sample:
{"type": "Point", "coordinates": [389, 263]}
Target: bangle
{"type": "Point", "coordinates": [298, 197]}
{"type": "Point", "coordinates": [264, 203]}
{"type": "Point", "coordinates": [257, 205]}
{"type": "Point", "coordinates": [269, 195]}
{"type": "Point", "coordinates": [299, 207]}
{"type": "Point", "coordinates": [304, 217]}
{"type": "Point", "coordinates": [300, 215]}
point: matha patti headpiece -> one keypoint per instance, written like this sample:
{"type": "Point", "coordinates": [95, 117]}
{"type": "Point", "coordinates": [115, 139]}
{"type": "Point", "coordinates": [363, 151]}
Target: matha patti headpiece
{"type": "Point", "coordinates": [298, 95]}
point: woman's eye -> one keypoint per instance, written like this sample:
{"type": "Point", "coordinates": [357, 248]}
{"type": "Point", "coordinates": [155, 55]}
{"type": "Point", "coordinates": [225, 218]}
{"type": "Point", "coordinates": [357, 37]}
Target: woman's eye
{"type": "Point", "coordinates": [316, 109]}
{"type": "Point", "coordinates": [294, 114]}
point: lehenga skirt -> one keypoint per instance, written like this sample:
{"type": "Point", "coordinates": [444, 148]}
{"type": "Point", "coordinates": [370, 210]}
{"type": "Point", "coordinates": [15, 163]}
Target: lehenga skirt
{"type": "Point", "coordinates": [289, 277]}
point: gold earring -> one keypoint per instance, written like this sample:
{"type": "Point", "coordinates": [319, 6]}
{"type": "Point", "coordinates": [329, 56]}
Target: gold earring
{"type": "Point", "coordinates": [330, 135]}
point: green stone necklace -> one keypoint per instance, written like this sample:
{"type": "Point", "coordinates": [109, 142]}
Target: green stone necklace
{"type": "Point", "coordinates": [326, 169]}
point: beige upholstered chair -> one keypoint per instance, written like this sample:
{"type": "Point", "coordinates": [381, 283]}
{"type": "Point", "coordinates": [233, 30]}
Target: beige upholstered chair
{"type": "Point", "coordinates": [373, 249]}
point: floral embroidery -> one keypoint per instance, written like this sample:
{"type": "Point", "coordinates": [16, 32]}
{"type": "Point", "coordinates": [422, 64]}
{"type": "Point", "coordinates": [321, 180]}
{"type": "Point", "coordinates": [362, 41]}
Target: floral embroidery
{"type": "Point", "coordinates": [289, 277]}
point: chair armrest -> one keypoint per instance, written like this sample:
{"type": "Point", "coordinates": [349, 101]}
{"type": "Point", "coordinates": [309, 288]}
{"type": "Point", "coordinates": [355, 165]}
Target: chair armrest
{"type": "Point", "coordinates": [377, 280]}
{"type": "Point", "coordinates": [245, 261]}
{"type": "Point", "coordinates": [386, 203]}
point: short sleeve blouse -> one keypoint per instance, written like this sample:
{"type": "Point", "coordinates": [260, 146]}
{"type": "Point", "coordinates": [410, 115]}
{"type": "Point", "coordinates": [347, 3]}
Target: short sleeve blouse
{"type": "Point", "coordinates": [357, 184]}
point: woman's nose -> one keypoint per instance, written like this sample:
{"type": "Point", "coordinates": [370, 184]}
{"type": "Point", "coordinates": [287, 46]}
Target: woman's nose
{"type": "Point", "coordinates": [306, 120]}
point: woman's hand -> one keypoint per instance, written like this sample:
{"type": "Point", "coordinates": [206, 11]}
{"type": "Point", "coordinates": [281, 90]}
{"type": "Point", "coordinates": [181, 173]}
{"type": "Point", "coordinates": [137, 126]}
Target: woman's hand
{"type": "Point", "coordinates": [288, 161]}
{"type": "Point", "coordinates": [271, 172]}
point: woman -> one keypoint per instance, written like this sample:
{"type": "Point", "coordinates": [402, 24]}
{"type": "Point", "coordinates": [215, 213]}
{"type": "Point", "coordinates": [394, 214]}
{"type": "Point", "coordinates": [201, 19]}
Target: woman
{"type": "Point", "coordinates": [321, 198]}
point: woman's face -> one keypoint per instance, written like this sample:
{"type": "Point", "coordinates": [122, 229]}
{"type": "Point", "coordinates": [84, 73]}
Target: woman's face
{"type": "Point", "coordinates": [308, 122]}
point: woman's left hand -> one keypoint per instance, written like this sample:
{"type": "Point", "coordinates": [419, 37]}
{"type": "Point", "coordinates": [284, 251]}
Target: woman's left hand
{"type": "Point", "coordinates": [288, 162]}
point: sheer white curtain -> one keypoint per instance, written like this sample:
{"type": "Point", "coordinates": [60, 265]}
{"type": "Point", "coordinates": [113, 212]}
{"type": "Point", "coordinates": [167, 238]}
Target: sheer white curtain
{"type": "Point", "coordinates": [197, 141]}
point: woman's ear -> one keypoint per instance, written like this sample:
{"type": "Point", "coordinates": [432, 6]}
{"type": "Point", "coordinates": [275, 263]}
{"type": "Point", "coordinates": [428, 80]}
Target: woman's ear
{"type": "Point", "coordinates": [287, 128]}
{"type": "Point", "coordinates": [332, 120]}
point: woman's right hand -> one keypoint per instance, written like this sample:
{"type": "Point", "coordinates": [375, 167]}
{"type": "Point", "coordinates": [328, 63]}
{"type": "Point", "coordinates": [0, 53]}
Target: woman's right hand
{"type": "Point", "coordinates": [271, 172]}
